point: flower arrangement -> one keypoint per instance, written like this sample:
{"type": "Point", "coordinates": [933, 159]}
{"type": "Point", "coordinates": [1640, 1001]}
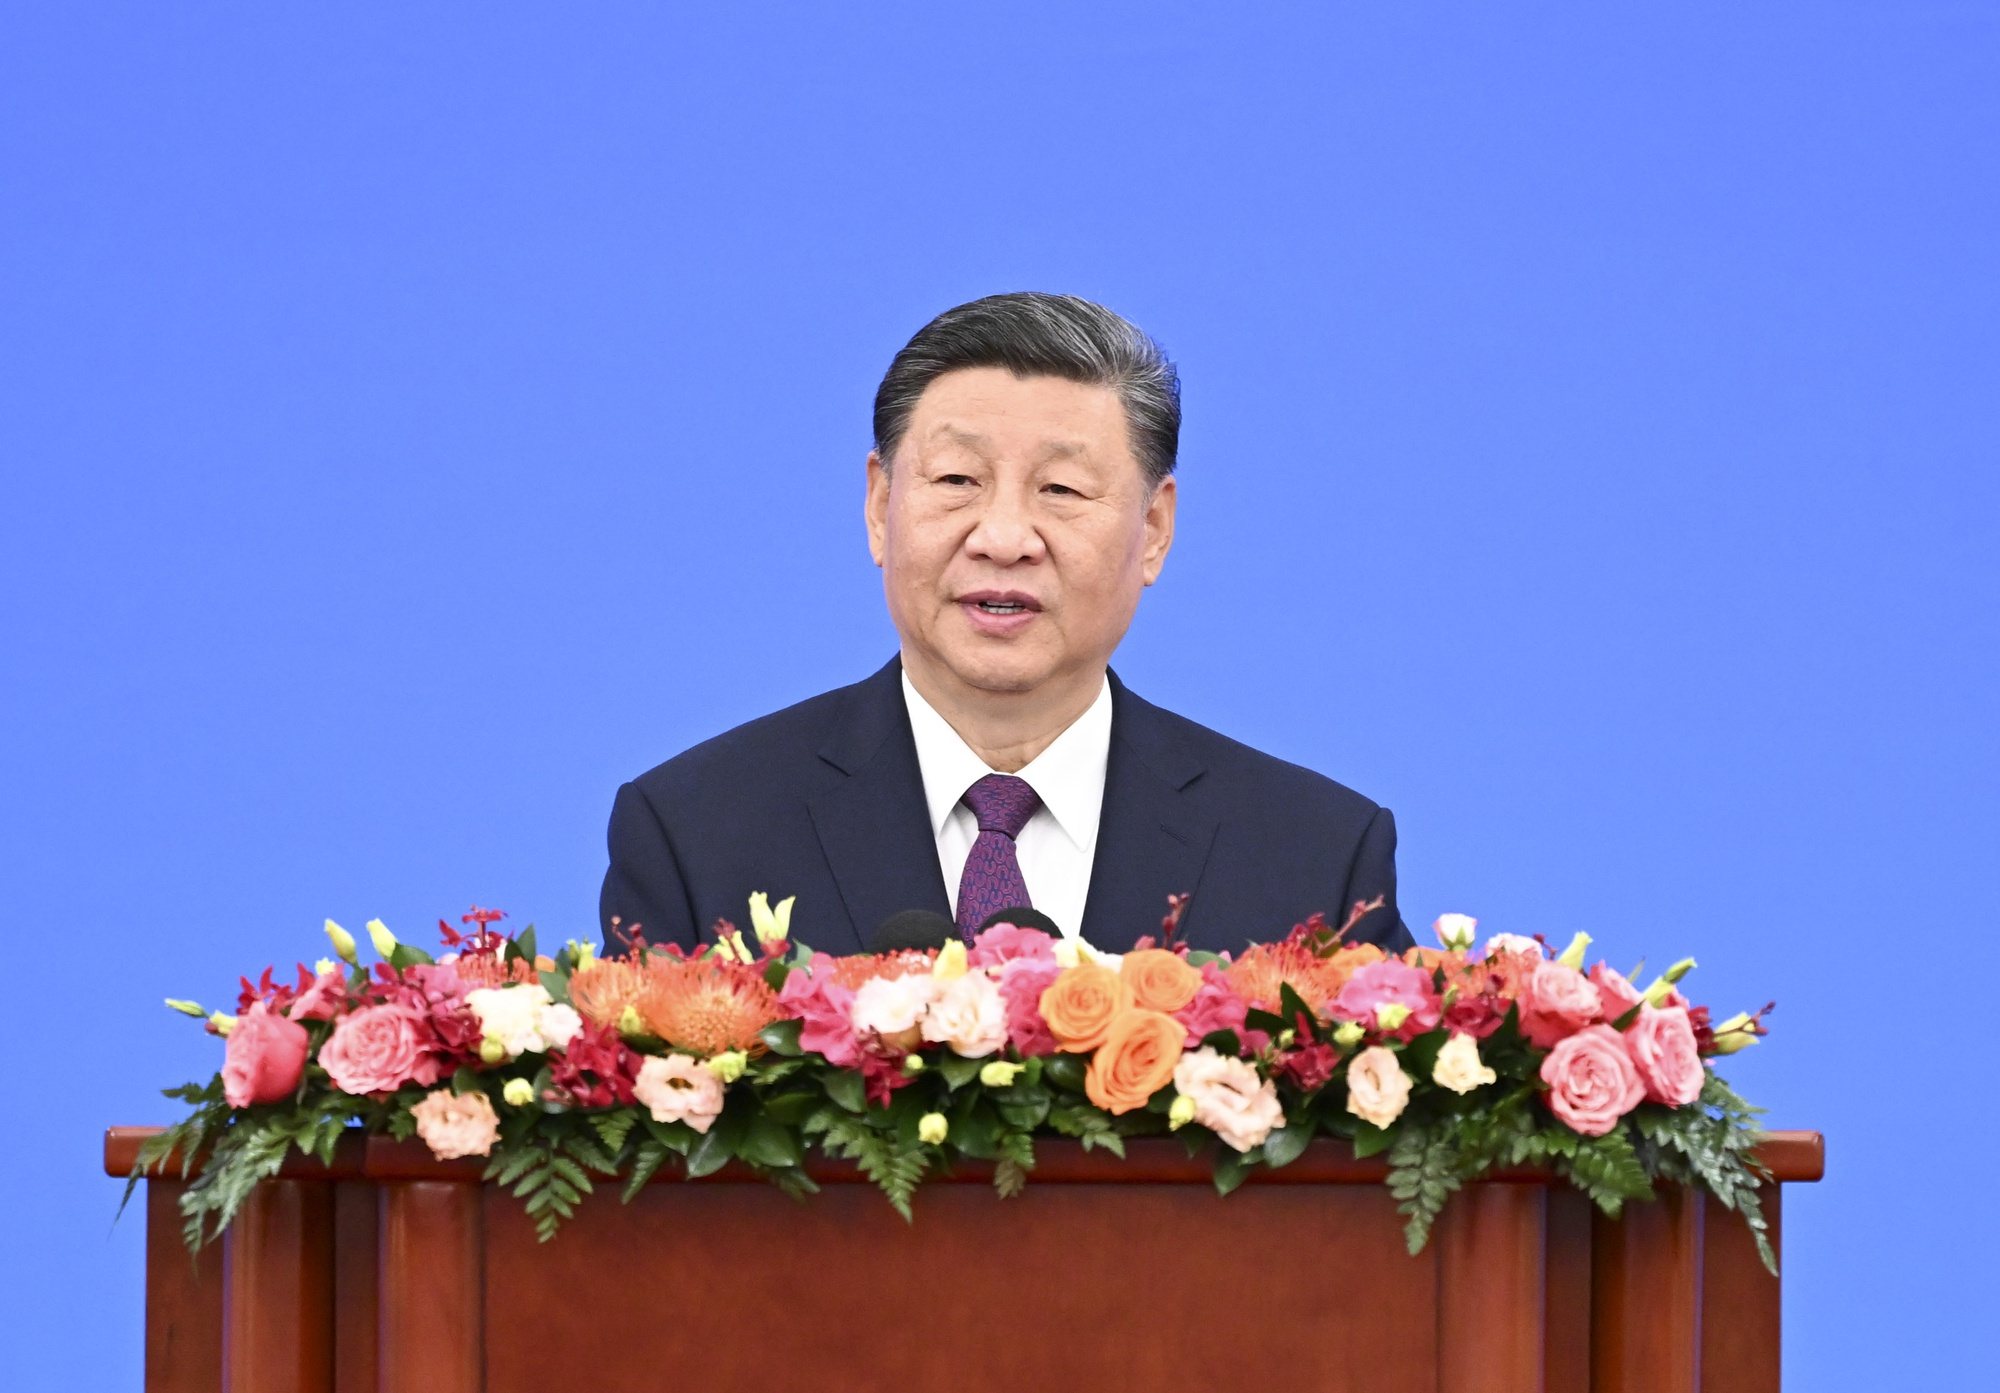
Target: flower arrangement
{"type": "Point", "coordinates": [1454, 1061]}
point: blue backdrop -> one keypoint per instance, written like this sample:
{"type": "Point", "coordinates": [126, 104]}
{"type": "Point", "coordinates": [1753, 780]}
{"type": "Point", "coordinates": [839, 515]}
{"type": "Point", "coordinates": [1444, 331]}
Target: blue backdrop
{"type": "Point", "coordinates": [418, 419]}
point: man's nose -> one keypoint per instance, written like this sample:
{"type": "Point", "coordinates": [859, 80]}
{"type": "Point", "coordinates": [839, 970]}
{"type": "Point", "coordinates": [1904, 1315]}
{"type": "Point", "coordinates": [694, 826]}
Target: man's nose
{"type": "Point", "coordinates": [1007, 530]}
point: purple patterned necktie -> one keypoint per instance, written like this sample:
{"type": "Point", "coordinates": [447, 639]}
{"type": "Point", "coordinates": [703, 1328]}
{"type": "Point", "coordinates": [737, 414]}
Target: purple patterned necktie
{"type": "Point", "coordinates": [992, 879]}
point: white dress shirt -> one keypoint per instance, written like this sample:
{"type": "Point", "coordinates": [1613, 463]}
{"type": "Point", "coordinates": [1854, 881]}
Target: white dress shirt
{"type": "Point", "coordinates": [1060, 841]}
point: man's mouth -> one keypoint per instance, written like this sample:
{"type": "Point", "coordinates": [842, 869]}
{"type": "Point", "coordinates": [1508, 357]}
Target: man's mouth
{"type": "Point", "coordinates": [1000, 602]}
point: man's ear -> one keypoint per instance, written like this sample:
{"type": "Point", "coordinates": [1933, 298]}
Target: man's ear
{"type": "Point", "coordinates": [875, 507]}
{"type": "Point", "coordinates": [1159, 528]}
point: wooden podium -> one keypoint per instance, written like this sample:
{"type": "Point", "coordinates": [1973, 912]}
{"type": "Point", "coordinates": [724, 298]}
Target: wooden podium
{"type": "Point", "coordinates": [391, 1272]}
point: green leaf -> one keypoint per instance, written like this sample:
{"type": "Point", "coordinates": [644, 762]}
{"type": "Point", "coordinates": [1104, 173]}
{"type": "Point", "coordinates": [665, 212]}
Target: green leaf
{"type": "Point", "coordinates": [847, 1090]}
{"type": "Point", "coordinates": [957, 1070]}
{"type": "Point", "coordinates": [782, 1037]}
{"type": "Point", "coordinates": [1064, 1071]}
{"type": "Point", "coordinates": [1010, 1179]}
{"type": "Point", "coordinates": [791, 1109]}
{"type": "Point", "coordinates": [710, 1153]}
{"type": "Point", "coordinates": [768, 1143]}
{"type": "Point", "coordinates": [1286, 1144]}
{"type": "Point", "coordinates": [1370, 1140]}
{"type": "Point", "coordinates": [408, 955]}
{"type": "Point", "coordinates": [1293, 1006]}
{"type": "Point", "coordinates": [1230, 1171]}
{"type": "Point", "coordinates": [1224, 1042]}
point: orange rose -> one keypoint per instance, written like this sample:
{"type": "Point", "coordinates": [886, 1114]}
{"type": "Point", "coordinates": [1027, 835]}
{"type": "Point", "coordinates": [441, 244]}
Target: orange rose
{"type": "Point", "coordinates": [1135, 1061]}
{"type": "Point", "coordinates": [1079, 1006]}
{"type": "Point", "coordinates": [1160, 981]}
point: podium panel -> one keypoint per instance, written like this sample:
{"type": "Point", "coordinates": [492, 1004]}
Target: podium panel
{"type": "Point", "coordinates": [390, 1272]}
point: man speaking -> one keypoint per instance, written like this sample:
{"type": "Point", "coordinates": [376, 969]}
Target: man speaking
{"type": "Point", "coordinates": [1020, 496]}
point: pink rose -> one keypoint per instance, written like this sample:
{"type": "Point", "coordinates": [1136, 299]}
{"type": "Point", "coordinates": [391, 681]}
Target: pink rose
{"type": "Point", "coordinates": [1022, 983]}
{"type": "Point", "coordinates": [376, 1050]}
{"type": "Point", "coordinates": [1557, 1001]}
{"type": "Point", "coordinates": [1592, 1080]}
{"type": "Point", "coordinates": [1389, 983]}
{"type": "Point", "coordinates": [1662, 1046]}
{"type": "Point", "coordinates": [824, 1010]}
{"type": "Point", "coordinates": [457, 1124]}
{"type": "Point", "coordinates": [264, 1058]}
{"type": "Point", "coordinates": [678, 1088]}
{"type": "Point", "coordinates": [1617, 994]}
{"type": "Point", "coordinates": [1005, 943]}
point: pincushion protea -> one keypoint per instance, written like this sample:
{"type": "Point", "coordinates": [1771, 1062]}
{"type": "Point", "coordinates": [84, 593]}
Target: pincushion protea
{"type": "Point", "coordinates": [706, 1005]}
{"type": "Point", "coordinates": [490, 970]}
{"type": "Point", "coordinates": [1264, 967]}
{"type": "Point", "coordinates": [603, 991]}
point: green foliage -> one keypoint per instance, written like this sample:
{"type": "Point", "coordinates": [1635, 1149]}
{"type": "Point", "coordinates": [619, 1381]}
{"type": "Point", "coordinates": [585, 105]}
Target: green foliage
{"type": "Point", "coordinates": [1424, 1172]}
{"type": "Point", "coordinates": [894, 1165]}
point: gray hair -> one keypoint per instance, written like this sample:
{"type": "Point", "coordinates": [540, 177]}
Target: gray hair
{"type": "Point", "coordinates": [1033, 334]}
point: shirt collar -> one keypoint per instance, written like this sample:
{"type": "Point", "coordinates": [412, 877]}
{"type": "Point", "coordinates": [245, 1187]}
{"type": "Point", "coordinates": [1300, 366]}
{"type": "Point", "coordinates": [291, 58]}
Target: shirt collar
{"type": "Point", "coordinates": [1068, 776]}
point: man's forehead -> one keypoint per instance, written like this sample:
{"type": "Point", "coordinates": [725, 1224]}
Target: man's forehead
{"type": "Point", "coordinates": [949, 433]}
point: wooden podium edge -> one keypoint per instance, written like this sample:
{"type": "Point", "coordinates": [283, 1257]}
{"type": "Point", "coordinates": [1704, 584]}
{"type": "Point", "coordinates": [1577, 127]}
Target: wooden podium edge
{"type": "Point", "coordinates": [1791, 1157]}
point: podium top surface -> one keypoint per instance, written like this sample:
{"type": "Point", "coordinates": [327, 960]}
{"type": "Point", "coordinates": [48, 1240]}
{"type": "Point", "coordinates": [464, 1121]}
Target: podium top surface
{"type": "Point", "coordinates": [1790, 1156]}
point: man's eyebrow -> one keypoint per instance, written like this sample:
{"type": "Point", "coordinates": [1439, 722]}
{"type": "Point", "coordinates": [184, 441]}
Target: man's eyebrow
{"type": "Point", "coordinates": [973, 440]}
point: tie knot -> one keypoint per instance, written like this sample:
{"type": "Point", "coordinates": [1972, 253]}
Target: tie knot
{"type": "Point", "coordinates": [1002, 803]}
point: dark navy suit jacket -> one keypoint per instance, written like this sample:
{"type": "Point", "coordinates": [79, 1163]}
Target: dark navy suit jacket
{"type": "Point", "coordinates": [825, 800]}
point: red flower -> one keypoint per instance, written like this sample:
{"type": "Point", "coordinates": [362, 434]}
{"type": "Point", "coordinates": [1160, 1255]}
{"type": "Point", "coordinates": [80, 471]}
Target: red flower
{"type": "Point", "coordinates": [596, 1069]}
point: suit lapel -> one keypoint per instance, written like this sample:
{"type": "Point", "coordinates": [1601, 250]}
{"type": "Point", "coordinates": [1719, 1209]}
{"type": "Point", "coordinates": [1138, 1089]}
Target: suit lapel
{"type": "Point", "coordinates": [873, 825]}
{"type": "Point", "coordinates": [1151, 840]}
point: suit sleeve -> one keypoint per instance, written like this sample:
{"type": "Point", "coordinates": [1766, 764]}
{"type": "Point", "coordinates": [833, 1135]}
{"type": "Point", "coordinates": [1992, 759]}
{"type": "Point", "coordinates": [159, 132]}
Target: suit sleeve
{"type": "Point", "coordinates": [1374, 873]}
{"type": "Point", "coordinates": [643, 888]}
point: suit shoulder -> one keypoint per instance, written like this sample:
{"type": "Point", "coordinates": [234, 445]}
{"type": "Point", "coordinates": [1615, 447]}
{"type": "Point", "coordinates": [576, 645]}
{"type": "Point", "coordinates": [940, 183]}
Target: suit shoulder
{"type": "Point", "coordinates": [1246, 769]}
{"type": "Point", "coordinates": [784, 738]}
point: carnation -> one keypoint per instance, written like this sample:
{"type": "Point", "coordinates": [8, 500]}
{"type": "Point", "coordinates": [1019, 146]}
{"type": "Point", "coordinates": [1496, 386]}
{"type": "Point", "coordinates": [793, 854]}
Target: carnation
{"type": "Point", "coordinates": [1229, 1099]}
{"type": "Point", "coordinates": [1022, 983]}
{"type": "Point", "coordinates": [1006, 943]}
{"type": "Point", "coordinates": [969, 1015]}
{"type": "Point", "coordinates": [1377, 1088]}
{"type": "Point", "coordinates": [679, 1088]}
{"type": "Point", "coordinates": [1389, 983]}
{"type": "Point", "coordinates": [892, 1008]}
{"type": "Point", "coordinates": [523, 1018]}
{"type": "Point", "coordinates": [456, 1124]}
{"type": "Point", "coordinates": [825, 1011]}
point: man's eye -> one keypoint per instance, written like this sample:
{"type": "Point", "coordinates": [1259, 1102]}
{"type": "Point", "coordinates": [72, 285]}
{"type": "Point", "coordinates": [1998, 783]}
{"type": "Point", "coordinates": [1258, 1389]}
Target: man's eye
{"type": "Point", "coordinates": [1063, 489]}
{"type": "Point", "coordinates": [954, 478]}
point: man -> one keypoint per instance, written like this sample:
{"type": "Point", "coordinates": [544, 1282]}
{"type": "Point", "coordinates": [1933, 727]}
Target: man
{"type": "Point", "coordinates": [1020, 496]}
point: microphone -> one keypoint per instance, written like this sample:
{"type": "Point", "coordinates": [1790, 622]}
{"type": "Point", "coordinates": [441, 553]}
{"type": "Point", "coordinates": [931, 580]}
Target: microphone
{"type": "Point", "coordinates": [1021, 917]}
{"type": "Point", "coordinates": [918, 929]}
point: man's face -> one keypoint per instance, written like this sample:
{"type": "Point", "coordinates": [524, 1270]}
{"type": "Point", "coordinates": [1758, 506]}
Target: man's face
{"type": "Point", "coordinates": [1014, 532]}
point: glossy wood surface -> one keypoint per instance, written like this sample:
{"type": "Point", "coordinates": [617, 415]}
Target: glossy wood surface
{"type": "Point", "coordinates": [390, 1272]}
{"type": "Point", "coordinates": [277, 1291]}
{"type": "Point", "coordinates": [183, 1301]}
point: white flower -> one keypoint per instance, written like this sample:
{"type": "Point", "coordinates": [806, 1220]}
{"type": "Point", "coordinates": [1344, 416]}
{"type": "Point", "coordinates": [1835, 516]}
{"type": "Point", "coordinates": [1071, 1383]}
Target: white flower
{"type": "Point", "coordinates": [891, 1006]}
{"type": "Point", "coordinates": [1459, 1067]}
{"type": "Point", "coordinates": [1377, 1088]}
{"type": "Point", "coordinates": [1513, 943]}
{"type": "Point", "coordinates": [1456, 931]}
{"type": "Point", "coordinates": [1228, 1097]}
{"type": "Point", "coordinates": [969, 1015]}
{"type": "Point", "coordinates": [677, 1088]}
{"type": "Point", "coordinates": [522, 1018]}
